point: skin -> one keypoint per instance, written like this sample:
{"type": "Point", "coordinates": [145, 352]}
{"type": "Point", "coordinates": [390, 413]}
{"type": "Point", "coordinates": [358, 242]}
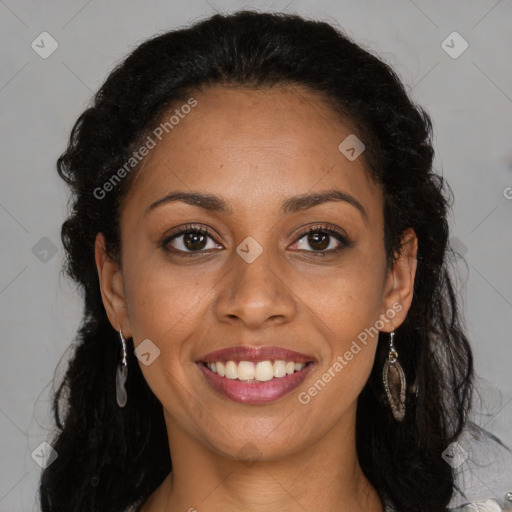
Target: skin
{"type": "Point", "coordinates": [255, 149]}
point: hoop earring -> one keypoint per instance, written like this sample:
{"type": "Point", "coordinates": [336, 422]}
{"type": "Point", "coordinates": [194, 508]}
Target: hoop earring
{"type": "Point", "coordinates": [394, 381]}
{"type": "Point", "coordinates": [122, 374]}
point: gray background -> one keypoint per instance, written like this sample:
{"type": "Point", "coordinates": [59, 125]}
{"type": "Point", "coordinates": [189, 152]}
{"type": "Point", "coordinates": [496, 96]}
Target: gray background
{"type": "Point", "coordinates": [468, 97]}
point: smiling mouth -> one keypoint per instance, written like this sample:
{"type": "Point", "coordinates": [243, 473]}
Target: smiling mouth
{"type": "Point", "coordinates": [260, 371]}
{"type": "Point", "coordinates": [255, 382]}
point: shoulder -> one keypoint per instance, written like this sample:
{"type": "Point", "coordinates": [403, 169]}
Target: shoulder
{"type": "Point", "coordinates": [490, 505]}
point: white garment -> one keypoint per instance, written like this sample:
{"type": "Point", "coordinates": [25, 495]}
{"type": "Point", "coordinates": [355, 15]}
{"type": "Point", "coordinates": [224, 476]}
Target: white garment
{"type": "Point", "coordinates": [491, 505]}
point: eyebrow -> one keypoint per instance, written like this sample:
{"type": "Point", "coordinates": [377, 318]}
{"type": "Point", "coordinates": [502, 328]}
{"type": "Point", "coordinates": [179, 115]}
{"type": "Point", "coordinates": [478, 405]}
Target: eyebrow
{"type": "Point", "coordinates": [293, 204]}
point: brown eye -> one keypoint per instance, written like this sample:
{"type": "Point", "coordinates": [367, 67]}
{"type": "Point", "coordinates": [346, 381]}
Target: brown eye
{"type": "Point", "coordinates": [194, 241]}
{"type": "Point", "coordinates": [318, 240]}
{"type": "Point", "coordinates": [322, 240]}
{"type": "Point", "coordinates": [190, 240]}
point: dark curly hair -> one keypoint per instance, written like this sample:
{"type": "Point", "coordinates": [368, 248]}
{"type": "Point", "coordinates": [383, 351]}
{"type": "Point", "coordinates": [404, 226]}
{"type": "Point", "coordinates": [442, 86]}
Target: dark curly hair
{"type": "Point", "coordinates": [111, 458]}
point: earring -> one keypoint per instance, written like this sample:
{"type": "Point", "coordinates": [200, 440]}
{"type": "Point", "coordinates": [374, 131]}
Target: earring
{"type": "Point", "coordinates": [394, 381]}
{"type": "Point", "coordinates": [122, 374]}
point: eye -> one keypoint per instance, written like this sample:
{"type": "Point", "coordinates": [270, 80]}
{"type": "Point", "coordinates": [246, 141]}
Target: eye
{"type": "Point", "coordinates": [322, 239]}
{"type": "Point", "coordinates": [193, 239]}
{"type": "Point", "coordinates": [190, 239]}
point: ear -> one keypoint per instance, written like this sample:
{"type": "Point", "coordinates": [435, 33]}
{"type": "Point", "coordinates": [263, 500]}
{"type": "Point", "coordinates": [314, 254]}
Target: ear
{"type": "Point", "coordinates": [112, 287]}
{"type": "Point", "coordinates": [399, 287]}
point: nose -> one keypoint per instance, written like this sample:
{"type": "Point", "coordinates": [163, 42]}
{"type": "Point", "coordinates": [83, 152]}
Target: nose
{"type": "Point", "coordinates": [255, 294]}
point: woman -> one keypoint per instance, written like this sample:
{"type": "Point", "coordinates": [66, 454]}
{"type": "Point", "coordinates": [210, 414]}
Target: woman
{"type": "Point", "coordinates": [269, 319]}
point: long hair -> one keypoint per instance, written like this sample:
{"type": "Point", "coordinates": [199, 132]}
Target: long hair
{"type": "Point", "coordinates": [111, 458]}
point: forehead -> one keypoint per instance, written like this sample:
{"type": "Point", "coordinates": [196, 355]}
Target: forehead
{"type": "Point", "coordinates": [265, 144]}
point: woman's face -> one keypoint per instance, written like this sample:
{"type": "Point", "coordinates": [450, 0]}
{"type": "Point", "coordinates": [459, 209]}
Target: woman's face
{"type": "Point", "coordinates": [256, 278]}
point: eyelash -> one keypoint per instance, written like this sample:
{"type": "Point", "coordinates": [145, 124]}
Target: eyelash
{"type": "Point", "coordinates": [321, 228]}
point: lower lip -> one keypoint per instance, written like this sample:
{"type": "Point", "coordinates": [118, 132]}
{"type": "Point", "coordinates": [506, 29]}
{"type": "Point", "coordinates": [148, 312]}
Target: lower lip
{"type": "Point", "coordinates": [256, 392]}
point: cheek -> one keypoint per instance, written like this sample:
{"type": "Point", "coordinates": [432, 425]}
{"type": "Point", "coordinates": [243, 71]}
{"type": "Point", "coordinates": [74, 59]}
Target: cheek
{"type": "Point", "coordinates": [346, 307]}
{"type": "Point", "coordinates": [162, 297]}
{"type": "Point", "coordinates": [165, 301]}
{"type": "Point", "coordinates": [166, 306]}
{"type": "Point", "coordinates": [348, 298]}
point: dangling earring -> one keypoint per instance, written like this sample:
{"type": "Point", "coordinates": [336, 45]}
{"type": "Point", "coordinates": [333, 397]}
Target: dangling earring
{"type": "Point", "coordinates": [122, 374]}
{"type": "Point", "coordinates": [394, 381]}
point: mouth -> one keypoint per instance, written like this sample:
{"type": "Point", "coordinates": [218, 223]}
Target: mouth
{"type": "Point", "coordinates": [249, 371]}
{"type": "Point", "coordinates": [255, 375]}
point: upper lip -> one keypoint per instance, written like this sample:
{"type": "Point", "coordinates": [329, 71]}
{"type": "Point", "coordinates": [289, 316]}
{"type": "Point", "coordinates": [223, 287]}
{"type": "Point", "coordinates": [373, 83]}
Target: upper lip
{"type": "Point", "coordinates": [255, 354]}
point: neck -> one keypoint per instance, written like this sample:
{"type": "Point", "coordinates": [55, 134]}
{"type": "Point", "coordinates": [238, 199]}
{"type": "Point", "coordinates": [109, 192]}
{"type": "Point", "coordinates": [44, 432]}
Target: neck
{"type": "Point", "coordinates": [323, 476]}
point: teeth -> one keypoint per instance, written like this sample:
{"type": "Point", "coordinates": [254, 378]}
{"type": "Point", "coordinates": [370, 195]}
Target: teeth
{"type": "Point", "coordinates": [220, 369]}
{"type": "Point", "coordinates": [245, 370]}
{"type": "Point", "coordinates": [261, 371]}
{"type": "Point", "coordinates": [231, 370]}
{"type": "Point", "coordinates": [264, 371]}
{"type": "Point", "coordinates": [279, 368]}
